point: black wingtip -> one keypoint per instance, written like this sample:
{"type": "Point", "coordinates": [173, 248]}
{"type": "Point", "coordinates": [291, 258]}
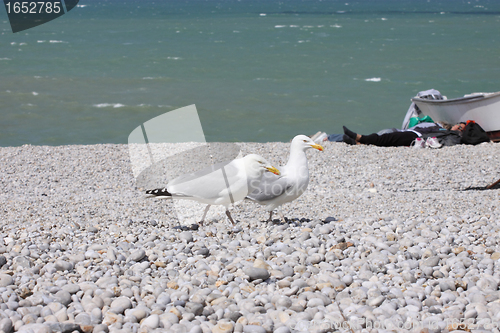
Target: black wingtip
{"type": "Point", "coordinates": [159, 192]}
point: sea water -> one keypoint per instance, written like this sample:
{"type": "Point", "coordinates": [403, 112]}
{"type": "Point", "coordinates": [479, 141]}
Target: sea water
{"type": "Point", "coordinates": [257, 70]}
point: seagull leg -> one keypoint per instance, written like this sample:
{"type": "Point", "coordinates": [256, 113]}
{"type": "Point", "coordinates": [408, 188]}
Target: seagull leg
{"type": "Point", "coordinates": [230, 217]}
{"type": "Point", "coordinates": [204, 215]}
{"type": "Point", "coordinates": [270, 219]}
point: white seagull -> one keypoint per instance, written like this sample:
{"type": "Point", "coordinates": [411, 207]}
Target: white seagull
{"type": "Point", "coordinates": [219, 184]}
{"type": "Point", "coordinates": [274, 191]}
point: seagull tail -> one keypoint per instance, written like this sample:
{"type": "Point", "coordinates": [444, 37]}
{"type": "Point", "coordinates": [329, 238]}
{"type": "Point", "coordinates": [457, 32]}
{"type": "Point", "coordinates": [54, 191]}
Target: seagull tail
{"type": "Point", "coordinates": [159, 192]}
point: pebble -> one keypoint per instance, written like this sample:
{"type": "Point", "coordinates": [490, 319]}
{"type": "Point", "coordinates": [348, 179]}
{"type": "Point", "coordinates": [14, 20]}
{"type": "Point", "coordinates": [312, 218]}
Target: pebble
{"type": "Point", "coordinates": [5, 325]}
{"type": "Point", "coordinates": [62, 265]}
{"type": "Point", "coordinates": [63, 297]}
{"type": "Point", "coordinates": [137, 255]}
{"type": "Point", "coordinates": [186, 236]}
{"type": "Point", "coordinates": [6, 280]}
{"type": "Point", "coordinates": [152, 321]}
{"type": "Point", "coordinates": [223, 327]}
{"type": "Point", "coordinates": [282, 329]}
{"type": "Point", "coordinates": [255, 273]}
{"type": "Point", "coordinates": [194, 308]}
{"type": "Point", "coordinates": [120, 304]}
{"type": "Point", "coordinates": [415, 247]}
{"type": "Point", "coordinates": [253, 329]}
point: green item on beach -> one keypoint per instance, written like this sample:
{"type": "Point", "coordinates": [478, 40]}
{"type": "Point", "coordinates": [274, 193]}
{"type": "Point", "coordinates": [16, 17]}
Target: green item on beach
{"type": "Point", "coordinates": [415, 121]}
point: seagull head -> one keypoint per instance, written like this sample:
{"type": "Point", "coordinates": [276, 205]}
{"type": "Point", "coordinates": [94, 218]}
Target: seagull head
{"type": "Point", "coordinates": [259, 163]}
{"type": "Point", "coordinates": [304, 142]}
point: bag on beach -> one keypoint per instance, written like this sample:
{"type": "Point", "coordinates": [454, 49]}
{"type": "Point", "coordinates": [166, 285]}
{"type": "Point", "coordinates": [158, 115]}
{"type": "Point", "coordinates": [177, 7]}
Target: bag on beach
{"type": "Point", "coordinates": [414, 121]}
{"type": "Point", "coordinates": [474, 134]}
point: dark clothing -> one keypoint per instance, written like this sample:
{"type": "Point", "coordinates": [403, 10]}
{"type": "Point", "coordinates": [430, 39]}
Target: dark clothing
{"type": "Point", "coordinates": [394, 139]}
{"type": "Point", "coordinates": [474, 134]}
{"type": "Point", "coordinates": [427, 129]}
{"type": "Point", "coordinates": [445, 137]}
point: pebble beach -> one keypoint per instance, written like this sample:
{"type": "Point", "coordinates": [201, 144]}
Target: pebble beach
{"type": "Point", "coordinates": [383, 240]}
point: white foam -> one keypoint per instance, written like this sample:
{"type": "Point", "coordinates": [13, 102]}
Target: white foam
{"type": "Point", "coordinates": [5, 59]}
{"type": "Point", "coordinates": [336, 26]}
{"type": "Point", "coordinates": [374, 79]}
{"type": "Point", "coordinates": [57, 41]}
{"type": "Point", "coordinates": [280, 26]}
{"type": "Point", "coordinates": [262, 14]}
{"type": "Point", "coordinates": [35, 93]}
{"type": "Point", "coordinates": [174, 58]}
{"type": "Point", "coordinates": [81, 6]}
{"type": "Point", "coordinates": [106, 105]}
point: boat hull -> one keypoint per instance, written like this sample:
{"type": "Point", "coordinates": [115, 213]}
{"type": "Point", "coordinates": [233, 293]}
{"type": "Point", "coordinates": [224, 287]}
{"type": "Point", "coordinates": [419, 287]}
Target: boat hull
{"type": "Point", "coordinates": [484, 109]}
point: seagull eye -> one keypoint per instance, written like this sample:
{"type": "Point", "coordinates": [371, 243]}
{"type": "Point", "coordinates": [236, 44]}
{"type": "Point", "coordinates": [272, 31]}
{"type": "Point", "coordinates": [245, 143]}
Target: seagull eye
{"type": "Point", "coordinates": [305, 140]}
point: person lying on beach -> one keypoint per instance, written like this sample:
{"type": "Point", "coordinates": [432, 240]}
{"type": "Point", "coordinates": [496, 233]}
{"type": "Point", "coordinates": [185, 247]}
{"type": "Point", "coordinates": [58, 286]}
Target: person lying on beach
{"type": "Point", "coordinates": [427, 131]}
{"type": "Point", "coordinates": [427, 122]}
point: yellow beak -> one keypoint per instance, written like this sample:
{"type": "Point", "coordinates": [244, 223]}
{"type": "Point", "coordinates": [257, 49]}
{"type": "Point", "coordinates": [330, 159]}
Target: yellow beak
{"type": "Point", "coordinates": [318, 147]}
{"type": "Point", "coordinates": [273, 170]}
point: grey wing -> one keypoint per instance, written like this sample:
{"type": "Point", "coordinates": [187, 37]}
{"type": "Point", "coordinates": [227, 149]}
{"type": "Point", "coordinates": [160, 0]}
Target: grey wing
{"type": "Point", "coordinates": [271, 186]}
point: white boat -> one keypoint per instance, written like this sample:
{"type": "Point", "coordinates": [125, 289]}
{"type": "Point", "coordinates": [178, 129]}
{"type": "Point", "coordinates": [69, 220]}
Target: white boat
{"type": "Point", "coordinates": [483, 108]}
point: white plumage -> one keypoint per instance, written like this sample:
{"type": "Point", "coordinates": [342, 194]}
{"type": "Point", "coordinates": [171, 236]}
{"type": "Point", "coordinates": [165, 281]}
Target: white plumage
{"type": "Point", "coordinates": [273, 191]}
{"type": "Point", "coordinates": [219, 184]}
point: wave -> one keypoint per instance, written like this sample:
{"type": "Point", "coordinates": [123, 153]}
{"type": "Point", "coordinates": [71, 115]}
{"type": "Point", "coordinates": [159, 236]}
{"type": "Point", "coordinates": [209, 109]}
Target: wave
{"type": "Point", "coordinates": [106, 105]}
{"type": "Point", "coordinates": [119, 105]}
{"type": "Point", "coordinates": [51, 41]}
{"type": "Point", "coordinates": [279, 26]}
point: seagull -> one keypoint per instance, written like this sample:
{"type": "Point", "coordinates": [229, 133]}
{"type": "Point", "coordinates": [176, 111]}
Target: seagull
{"type": "Point", "coordinates": [273, 190]}
{"type": "Point", "coordinates": [219, 184]}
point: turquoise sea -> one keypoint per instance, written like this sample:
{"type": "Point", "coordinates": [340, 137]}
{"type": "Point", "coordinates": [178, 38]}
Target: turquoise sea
{"type": "Point", "coordinates": [257, 70]}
